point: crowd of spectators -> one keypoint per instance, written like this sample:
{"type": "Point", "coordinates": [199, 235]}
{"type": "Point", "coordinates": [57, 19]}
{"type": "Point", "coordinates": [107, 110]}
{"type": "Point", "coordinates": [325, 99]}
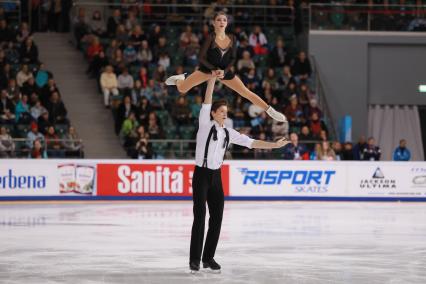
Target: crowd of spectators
{"type": "Point", "coordinates": [131, 63]}
{"type": "Point", "coordinates": [31, 107]}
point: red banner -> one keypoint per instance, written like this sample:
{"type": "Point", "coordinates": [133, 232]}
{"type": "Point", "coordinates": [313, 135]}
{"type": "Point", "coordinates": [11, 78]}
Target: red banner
{"type": "Point", "coordinates": [149, 179]}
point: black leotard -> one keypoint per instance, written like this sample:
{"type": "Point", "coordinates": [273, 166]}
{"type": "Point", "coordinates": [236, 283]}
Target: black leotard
{"type": "Point", "coordinates": [212, 57]}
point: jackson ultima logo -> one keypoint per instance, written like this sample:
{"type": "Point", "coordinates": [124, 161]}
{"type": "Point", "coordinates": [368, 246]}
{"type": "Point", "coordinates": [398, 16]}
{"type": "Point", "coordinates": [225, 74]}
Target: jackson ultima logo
{"type": "Point", "coordinates": [13, 181]}
{"type": "Point", "coordinates": [378, 181]}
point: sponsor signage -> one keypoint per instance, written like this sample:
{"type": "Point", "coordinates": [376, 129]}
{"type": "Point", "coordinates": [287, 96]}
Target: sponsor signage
{"type": "Point", "coordinates": [149, 179]}
{"type": "Point", "coordinates": [287, 179]}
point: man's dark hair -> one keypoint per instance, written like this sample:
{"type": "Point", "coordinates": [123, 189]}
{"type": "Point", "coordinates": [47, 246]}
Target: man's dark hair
{"type": "Point", "coordinates": [217, 104]}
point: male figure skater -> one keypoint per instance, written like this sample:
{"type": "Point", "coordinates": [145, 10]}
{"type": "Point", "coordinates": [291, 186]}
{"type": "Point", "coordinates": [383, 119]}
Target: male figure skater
{"type": "Point", "coordinates": [213, 139]}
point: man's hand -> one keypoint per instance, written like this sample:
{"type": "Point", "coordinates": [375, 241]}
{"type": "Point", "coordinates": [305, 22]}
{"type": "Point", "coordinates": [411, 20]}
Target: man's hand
{"type": "Point", "coordinates": [220, 74]}
{"type": "Point", "coordinates": [281, 142]}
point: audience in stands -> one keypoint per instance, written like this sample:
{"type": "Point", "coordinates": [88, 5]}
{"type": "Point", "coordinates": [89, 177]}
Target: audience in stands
{"type": "Point", "coordinates": [371, 152]}
{"type": "Point", "coordinates": [7, 146]}
{"type": "Point", "coordinates": [402, 153]}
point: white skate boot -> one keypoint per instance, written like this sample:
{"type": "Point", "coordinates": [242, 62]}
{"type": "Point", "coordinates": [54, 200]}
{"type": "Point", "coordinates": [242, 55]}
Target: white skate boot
{"type": "Point", "coordinates": [171, 81]}
{"type": "Point", "coordinates": [276, 115]}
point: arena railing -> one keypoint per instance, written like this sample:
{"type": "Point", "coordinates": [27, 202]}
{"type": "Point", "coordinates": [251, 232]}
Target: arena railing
{"type": "Point", "coordinates": [365, 17]}
{"type": "Point", "coordinates": [185, 149]}
{"type": "Point", "coordinates": [22, 150]}
{"type": "Point", "coordinates": [172, 14]}
{"type": "Point", "coordinates": [13, 11]}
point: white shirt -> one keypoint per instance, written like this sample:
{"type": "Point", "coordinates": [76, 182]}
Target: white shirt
{"type": "Point", "coordinates": [216, 150]}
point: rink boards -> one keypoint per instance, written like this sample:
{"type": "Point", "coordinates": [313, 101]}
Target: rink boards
{"type": "Point", "coordinates": [242, 180]}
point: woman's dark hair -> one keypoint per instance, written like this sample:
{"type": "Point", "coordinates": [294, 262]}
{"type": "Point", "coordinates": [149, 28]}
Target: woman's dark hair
{"type": "Point", "coordinates": [217, 104]}
{"type": "Point", "coordinates": [219, 13]}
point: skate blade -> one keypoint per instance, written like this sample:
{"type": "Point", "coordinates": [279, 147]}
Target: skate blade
{"type": "Point", "coordinates": [209, 270]}
{"type": "Point", "coordinates": [194, 272]}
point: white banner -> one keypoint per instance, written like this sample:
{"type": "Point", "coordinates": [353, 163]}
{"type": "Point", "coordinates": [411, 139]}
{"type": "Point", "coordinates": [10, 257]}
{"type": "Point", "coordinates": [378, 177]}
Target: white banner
{"type": "Point", "coordinates": [387, 179]}
{"type": "Point", "coordinates": [287, 178]}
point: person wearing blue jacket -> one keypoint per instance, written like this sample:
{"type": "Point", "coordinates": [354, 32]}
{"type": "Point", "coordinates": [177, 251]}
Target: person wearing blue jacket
{"type": "Point", "coordinates": [401, 153]}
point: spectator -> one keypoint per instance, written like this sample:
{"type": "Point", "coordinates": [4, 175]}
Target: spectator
{"type": "Point", "coordinates": [33, 135]}
{"type": "Point", "coordinates": [137, 37]}
{"type": "Point", "coordinates": [262, 154]}
{"type": "Point", "coordinates": [44, 122]}
{"type": "Point", "coordinates": [337, 148]}
{"type": "Point", "coordinates": [155, 35]}
{"type": "Point", "coordinates": [131, 21]}
{"type": "Point", "coordinates": [42, 76]}
{"type": "Point", "coordinates": [401, 153]}
{"type": "Point", "coordinates": [258, 41]}
{"type": "Point", "coordinates": [154, 127]}
{"type": "Point", "coordinates": [81, 27]}
{"type": "Point", "coordinates": [313, 107]}
{"type": "Point", "coordinates": [129, 129]}
{"type": "Point", "coordinates": [315, 152]}
{"type": "Point", "coordinates": [109, 84]}
{"type": "Point", "coordinates": [53, 144]}
{"type": "Point", "coordinates": [22, 111]}
{"type": "Point", "coordinates": [181, 112]}
{"type": "Point", "coordinates": [23, 75]}
{"type": "Point", "coordinates": [316, 125]}
{"type": "Point", "coordinates": [371, 152]}
{"type": "Point", "coordinates": [294, 150]}
{"type": "Point", "coordinates": [145, 54]}
{"type": "Point", "coordinates": [196, 107]}
{"type": "Point", "coordinates": [164, 60]}
{"type": "Point", "coordinates": [359, 148]}
{"type": "Point", "coordinates": [143, 77]}
{"type": "Point", "coordinates": [301, 68]}
{"type": "Point", "coordinates": [245, 63]}
{"type": "Point", "coordinates": [159, 74]}
{"type": "Point", "coordinates": [7, 109]}
{"type": "Point", "coordinates": [130, 55]}
{"type": "Point", "coordinates": [118, 61]}
{"type": "Point", "coordinates": [278, 56]}
{"type": "Point", "coordinates": [326, 153]}
{"type": "Point", "coordinates": [125, 82]}
{"type": "Point", "coordinates": [113, 22]}
{"type": "Point", "coordinates": [187, 37]}
{"type": "Point", "coordinates": [47, 91]}
{"type": "Point", "coordinates": [271, 80]}
{"type": "Point", "coordinates": [160, 48]}
{"type": "Point", "coordinates": [5, 76]}
{"type": "Point", "coordinates": [294, 114]}
{"type": "Point", "coordinates": [37, 110]}
{"type": "Point", "coordinates": [111, 49]}
{"type": "Point", "coordinates": [72, 143]}
{"type": "Point", "coordinates": [29, 52]}
{"type": "Point", "coordinates": [99, 62]}
{"type": "Point", "coordinates": [191, 54]}
{"type": "Point", "coordinates": [97, 25]}
{"type": "Point", "coordinates": [30, 87]}
{"type": "Point", "coordinates": [94, 49]}
{"type": "Point", "coordinates": [5, 33]}
{"type": "Point", "coordinates": [144, 149]}
{"type": "Point", "coordinates": [7, 146]}
{"type": "Point", "coordinates": [12, 54]}
{"type": "Point", "coordinates": [123, 111]}
{"type": "Point", "coordinates": [306, 136]}
{"type": "Point", "coordinates": [121, 35]}
{"type": "Point", "coordinates": [37, 151]}
{"type": "Point", "coordinates": [348, 152]}
{"type": "Point", "coordinates": [144, 110]}
{"type": "Point", "coordinates": [56, 109]}
{"type": "Point", "coordinates": [244, 46]}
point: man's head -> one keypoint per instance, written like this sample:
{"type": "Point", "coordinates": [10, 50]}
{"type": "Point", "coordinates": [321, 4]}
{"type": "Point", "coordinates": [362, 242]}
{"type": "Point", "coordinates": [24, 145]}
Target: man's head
{"type": "Point", "coordinates": [219, 111]}
{"type": "Point", "coordinates": [294, 138]}
{"type": "Point", "coordinates": [371, 141]}
{"type": "Point", "coordinates": [402, 143]}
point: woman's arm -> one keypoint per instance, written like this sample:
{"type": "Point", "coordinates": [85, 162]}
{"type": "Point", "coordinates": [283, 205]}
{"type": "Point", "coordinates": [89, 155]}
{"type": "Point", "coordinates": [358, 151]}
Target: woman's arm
{"type": "Point", "coordinates": [202, 56]}
{"type": "Point", "coordinates": [259, 144]}
{"type": "Point", "coordinates": [233, 54]}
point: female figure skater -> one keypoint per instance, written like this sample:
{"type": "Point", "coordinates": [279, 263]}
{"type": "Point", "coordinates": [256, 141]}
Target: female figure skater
{"type": "Point", "coordinates": [213, 139]}
{"type": "Point", "coordinates": [216, 57]}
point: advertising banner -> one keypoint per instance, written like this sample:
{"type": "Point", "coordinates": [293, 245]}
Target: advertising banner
{"type": "Point", "coordinates": [278, 178]}
{"type": "Point", "coordinates": [46, 178]}
{"type": "Point", "coordinates": [149, 179]}
{"type": "Point", "coordinates": [387, 179]}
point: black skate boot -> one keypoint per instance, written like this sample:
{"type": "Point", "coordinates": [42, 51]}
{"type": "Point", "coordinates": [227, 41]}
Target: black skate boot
{"type": "Point", "coordinates": [212, 265]}
{"type": "Point", "coordinates": [194, 266]}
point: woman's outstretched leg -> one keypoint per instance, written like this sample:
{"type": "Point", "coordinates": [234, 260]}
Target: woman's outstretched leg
{"type": "Point", "coordinates": [185, 84]}
{"type": "Point", "coordinates": [237, 85]}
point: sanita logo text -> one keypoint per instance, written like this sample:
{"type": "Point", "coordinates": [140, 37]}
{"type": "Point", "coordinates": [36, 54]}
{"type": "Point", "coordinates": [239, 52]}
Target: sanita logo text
{"type": "Point", "coordinates": [294, 177]}
{"type": "Point", "coordinates": [12, 181]}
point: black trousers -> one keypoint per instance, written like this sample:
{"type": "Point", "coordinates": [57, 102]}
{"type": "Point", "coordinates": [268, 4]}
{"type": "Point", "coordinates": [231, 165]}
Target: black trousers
{"type": "Point", "coordinates": [206, 186]}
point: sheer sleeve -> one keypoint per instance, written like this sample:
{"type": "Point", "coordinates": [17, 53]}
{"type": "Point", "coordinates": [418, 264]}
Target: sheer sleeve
{"type": "Point", "coordinates": [233, 54]}
{"type": "Point", "coordinates": [202, 57]}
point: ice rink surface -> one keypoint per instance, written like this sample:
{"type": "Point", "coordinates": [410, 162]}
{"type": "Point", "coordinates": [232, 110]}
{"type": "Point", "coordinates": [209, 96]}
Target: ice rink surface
{"type": "Point", "coordinates": [261, 242]}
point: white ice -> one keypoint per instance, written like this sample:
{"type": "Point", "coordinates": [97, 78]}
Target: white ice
{"type": "Point", "coordinates": [261, 242]}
